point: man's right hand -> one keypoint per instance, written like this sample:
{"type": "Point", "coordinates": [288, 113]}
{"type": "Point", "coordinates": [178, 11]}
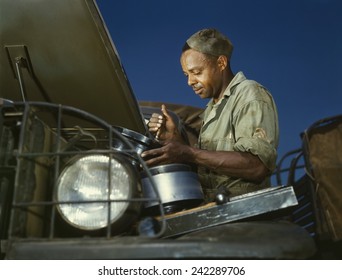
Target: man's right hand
{"type": "Point", "coordinates": [163, 126]}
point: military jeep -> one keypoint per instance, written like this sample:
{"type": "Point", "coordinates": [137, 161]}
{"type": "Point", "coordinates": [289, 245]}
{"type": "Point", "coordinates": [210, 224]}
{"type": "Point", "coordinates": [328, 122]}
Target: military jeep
{"type": "Point", "coordinates": [74, 186]}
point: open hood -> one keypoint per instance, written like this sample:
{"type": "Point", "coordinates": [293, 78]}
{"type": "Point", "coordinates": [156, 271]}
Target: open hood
{"type": "Point", "coordinates": [60, 51]}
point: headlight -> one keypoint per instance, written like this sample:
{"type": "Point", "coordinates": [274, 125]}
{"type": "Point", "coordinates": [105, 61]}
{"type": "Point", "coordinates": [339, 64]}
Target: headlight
{"type": "Point", "coordinates": [87, 181]}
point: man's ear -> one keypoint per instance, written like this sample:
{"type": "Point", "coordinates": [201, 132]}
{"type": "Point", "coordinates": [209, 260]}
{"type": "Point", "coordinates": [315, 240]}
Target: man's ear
{"type": "Point", "coordinates": [222, 62]}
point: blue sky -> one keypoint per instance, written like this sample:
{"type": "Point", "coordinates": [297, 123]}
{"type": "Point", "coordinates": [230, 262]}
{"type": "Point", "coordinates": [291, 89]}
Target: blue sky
{"type": "Point", "coordinates": [293, 47]}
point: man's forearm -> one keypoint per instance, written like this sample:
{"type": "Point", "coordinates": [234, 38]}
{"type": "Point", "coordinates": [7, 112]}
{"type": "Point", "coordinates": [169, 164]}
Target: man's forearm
{"type": "Point", "coordinates": [234, 164]}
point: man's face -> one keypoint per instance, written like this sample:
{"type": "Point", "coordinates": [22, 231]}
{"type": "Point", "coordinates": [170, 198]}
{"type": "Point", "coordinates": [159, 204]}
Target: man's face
{"type": "Point", "coordinates": [203, 73]}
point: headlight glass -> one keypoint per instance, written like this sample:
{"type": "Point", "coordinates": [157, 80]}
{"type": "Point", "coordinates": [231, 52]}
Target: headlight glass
{"type": "Point", "coordinates": [91, 178]}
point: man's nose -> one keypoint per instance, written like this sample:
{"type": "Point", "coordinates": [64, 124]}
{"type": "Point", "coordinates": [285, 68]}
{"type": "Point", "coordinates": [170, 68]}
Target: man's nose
{"type": "Point", "coordinates": [191, 80]}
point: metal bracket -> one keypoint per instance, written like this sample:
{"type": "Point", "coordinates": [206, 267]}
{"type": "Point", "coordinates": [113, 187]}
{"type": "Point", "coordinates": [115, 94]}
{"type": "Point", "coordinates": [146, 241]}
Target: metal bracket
{"type": "Point", "coordinates": [238, 208]}
{"type": "Point", "coordinates": [18, 58]}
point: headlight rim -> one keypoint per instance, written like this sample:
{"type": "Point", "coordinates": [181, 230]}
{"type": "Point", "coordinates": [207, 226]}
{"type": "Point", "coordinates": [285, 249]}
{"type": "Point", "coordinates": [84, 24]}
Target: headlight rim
{"type": "Point", "coordinates": [132, 207]}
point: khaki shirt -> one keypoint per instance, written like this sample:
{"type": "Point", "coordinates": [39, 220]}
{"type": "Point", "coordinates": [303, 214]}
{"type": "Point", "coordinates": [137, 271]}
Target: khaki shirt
{"type": "Point", "coordinates": [244, 120]}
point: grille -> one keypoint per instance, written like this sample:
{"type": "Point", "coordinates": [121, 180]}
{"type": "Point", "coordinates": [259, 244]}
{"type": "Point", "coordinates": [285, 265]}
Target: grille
{"type": "Point", "coordinates": [48, 135]}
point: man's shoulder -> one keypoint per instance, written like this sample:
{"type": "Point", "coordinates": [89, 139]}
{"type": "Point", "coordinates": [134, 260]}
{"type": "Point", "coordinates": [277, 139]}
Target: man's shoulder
{"type": "Point", "coordinates": [240, 82]}
{"type": "Point", "coordinates": [248, 83]}
{"type": "Point", "coordinates": [249, 90]}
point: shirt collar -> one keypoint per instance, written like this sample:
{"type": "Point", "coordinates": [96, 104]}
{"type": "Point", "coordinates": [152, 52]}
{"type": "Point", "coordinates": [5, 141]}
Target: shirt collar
{"type": "Point", "coordinates": [238, 78]}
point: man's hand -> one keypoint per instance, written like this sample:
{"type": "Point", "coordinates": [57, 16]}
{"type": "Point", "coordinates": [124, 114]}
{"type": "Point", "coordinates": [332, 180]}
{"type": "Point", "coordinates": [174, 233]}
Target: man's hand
{"type": "Point", "coordinates": [170, 152]}
{"type": "Point", "coordinates": [234, 164]}
{"type": "Point", "coordinates": [163, 126]}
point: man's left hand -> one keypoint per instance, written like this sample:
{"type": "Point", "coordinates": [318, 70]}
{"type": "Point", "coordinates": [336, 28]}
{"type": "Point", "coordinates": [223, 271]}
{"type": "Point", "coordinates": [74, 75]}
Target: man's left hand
{"type": "Point", "coordinates": [170, 152]}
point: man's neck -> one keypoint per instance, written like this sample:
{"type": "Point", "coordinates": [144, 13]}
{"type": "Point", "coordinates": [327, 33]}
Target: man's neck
{"type": "Point", "coordinates": [226, 79]}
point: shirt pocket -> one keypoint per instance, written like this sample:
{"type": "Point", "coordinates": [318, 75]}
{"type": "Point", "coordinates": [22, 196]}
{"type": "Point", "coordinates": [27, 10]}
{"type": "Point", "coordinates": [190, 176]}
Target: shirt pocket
{"type": "Point", "coordinates": [225, 144]}
{"type": "Point", "coordinates": [220, 144]}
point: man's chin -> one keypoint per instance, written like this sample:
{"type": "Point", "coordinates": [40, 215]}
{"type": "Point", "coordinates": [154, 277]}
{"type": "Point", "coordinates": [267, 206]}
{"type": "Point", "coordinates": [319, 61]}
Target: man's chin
{"type": "Point", "coordinates": [200, 93]}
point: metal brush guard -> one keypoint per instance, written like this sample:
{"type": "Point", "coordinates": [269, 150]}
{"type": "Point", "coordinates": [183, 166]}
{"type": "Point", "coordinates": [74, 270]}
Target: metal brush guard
{"type": "Point", "coordinates": [58, 114]}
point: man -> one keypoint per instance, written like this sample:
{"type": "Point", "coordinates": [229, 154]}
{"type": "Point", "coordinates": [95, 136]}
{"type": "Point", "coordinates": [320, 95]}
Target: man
{"type": "Point", "coordinates": [237, 144]}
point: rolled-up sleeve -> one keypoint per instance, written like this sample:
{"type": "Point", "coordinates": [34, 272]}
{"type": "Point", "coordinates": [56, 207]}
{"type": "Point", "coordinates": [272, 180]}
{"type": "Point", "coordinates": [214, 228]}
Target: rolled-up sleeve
{"type": "Point", "coordinates": [256, 129]}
